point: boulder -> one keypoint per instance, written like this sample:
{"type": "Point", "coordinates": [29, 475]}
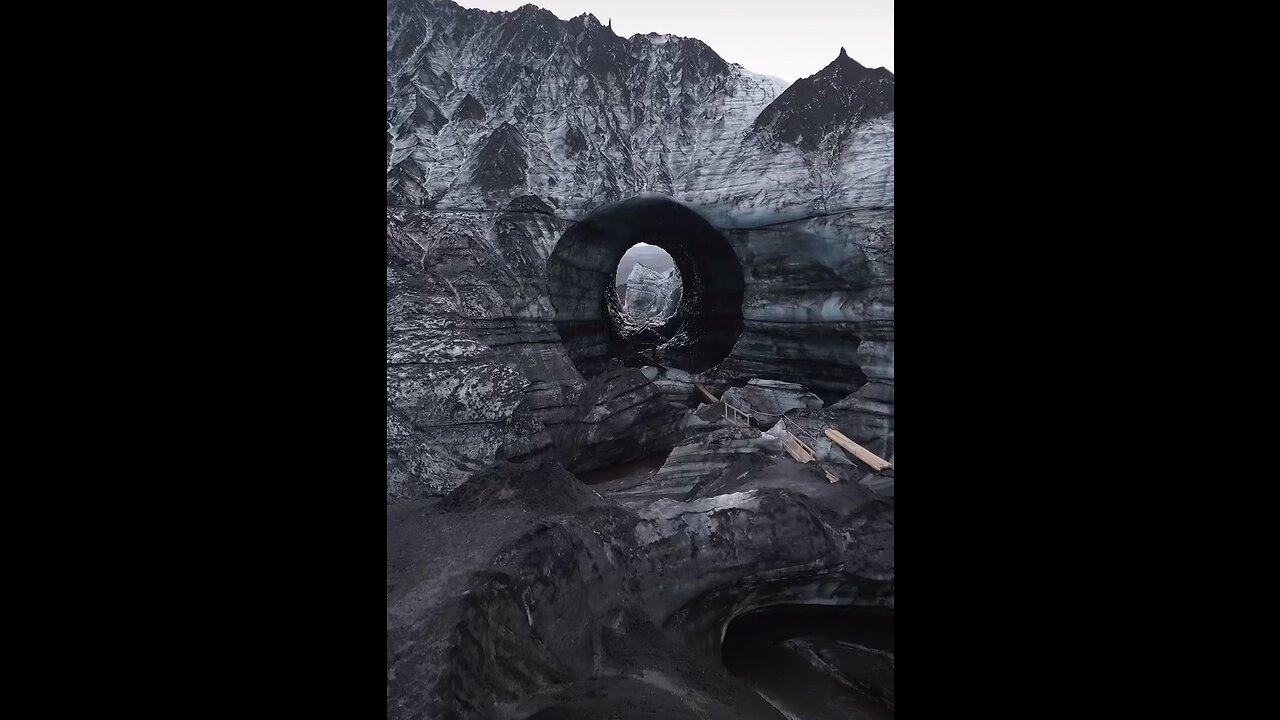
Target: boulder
{"type": "Point", "coordinates": [769, 400]}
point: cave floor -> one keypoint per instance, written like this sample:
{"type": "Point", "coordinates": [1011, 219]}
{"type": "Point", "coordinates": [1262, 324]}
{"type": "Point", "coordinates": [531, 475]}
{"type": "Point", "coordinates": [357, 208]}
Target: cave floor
{"type": "Point", "coordinates": [455, 571]}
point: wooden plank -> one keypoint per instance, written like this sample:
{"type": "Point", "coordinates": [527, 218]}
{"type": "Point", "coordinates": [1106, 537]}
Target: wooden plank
{"type": "Point", "coordinates": [707, 392]}
{"type": "Point", "coordinates": [873, 460]}
{"type": "Point", "coordinates": [797, 449]}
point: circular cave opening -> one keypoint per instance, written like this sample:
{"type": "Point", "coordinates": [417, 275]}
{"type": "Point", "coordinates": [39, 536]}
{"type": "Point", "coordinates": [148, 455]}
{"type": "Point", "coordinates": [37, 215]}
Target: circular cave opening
{"type": "Point", "coordinates": [815, 662]}
{"type": "Point", "coordinates": [648, 284]}
{"type": "Point", "coordinates": [694, 332]}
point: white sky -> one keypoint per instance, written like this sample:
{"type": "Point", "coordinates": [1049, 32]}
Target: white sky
{"type": "Point", "coordinates": [789, 39]}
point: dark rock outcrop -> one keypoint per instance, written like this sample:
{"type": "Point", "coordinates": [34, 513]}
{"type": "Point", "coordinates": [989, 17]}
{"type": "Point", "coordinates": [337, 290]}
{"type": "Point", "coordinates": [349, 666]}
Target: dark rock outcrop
{"type": "Point", "coordinates": [621, 416]}
{"type": "Point", "coordinates": [469, 109]}
{"type": "Point", "coordinates": [501, 162]}
{"type": "Point", "coordinates": [824, 108]}
{"type": "Point", "coordinates": [702, 459]}
{"type": "Point", "coordinates": [768, 400]}
{"type": "Point", "coordinates": [676, 385]}
{"type": "Point", "coordinates": [541, 488]}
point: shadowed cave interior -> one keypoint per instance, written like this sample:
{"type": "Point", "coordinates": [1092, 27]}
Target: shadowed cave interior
{"type": "Point", "coordinates": [816, 662]}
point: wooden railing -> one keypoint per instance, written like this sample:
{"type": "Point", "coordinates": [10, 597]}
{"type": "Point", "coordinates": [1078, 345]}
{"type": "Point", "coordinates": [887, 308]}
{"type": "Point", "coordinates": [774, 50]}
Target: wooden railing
{"type": "Point", "coordinates": [798, 450]}
{"type": "Point", "coordinates": [738, 416]}
{"type": "Point", "coordinates": [796, 447]}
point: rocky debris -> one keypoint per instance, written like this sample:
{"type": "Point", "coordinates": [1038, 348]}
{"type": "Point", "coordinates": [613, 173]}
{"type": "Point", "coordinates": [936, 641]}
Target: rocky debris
{"type": "Point", "coordinates": [706, 420]}
{"type": "Point", "coordinates": [812, 424]}
{"type": "Point", "coordinates": [504, 605]}
{"type": "Point", "coordinates": [769, 400]}
{"type": "Point", "coordinates": [715, 453]}
{"type": "Point", "coordinates": [707, 410]}
{"type": "Point", "coordinates": [544, 487]}
{"type": "Point", "coordinates": [676, 385]}
{"type": "Point", "coordinates": [733, 477]}
{"type": "Point", "coordinates": [814, 436]}
{"type": "Point", "coordinates": [652, 294]}
{"type": "Point", "coordinates": [880, 483]}
{"type": "Point", "coordinates": [621, 416]}
{"type": "Point", "coordinates": [809, 427]}
{"type": "Point", "coordinates": [701, 459]}
{"type": "Point", "coordinates": [617, 417]}
{"type": "Point", "coordinates": [842, 467]}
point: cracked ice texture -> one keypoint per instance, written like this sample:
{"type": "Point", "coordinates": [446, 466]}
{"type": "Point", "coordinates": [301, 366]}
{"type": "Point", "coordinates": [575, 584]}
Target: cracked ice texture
{"type": "Point", "coordinates": [484, 107]}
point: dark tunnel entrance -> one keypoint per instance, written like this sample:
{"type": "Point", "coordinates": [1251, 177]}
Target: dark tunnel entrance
{"type": "Point", "coordinates": [816, 662]}
{"type": "Point", "coordinates": [591, 320]}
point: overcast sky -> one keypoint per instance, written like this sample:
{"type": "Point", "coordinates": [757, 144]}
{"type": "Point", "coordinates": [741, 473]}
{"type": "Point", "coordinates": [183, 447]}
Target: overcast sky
{"type": "Point", "coordinates": [789, 39]}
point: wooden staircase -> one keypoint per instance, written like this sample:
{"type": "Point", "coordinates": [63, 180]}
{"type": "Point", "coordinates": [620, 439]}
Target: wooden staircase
{"type": "Point", "coordinates": [795, 447]}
